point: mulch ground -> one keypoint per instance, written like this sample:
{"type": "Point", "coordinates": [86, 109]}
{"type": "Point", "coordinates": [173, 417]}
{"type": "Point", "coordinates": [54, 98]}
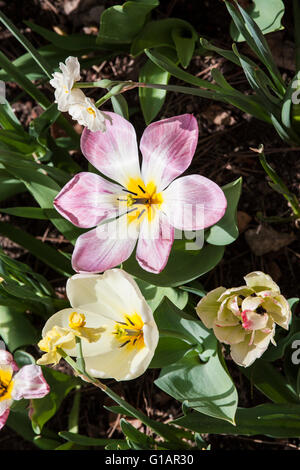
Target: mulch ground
{"type": "Point", "coordinates": [223, 154]}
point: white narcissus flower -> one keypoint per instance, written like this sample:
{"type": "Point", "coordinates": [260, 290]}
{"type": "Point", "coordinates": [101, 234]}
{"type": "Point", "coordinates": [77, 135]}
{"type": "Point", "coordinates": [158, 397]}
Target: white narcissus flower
{"type": "Point", "coordinates": [73, 100]}
{"type": "Point", "coordinates": [113, 302]}
{"type": "Point", "coordinates": [88, 115]}
{"type": "Point", "coordinates": [15, 384]}
{"type": "Point", "coordinates": [245, 317]}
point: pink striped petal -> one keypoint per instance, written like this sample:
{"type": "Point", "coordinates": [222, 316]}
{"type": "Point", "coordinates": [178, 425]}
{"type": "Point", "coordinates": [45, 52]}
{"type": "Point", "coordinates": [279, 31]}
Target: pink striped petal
{"type": "Point", "coordinates": [6, 358]}
{"type": "Point", "coordinates": [29, 383]}
{"type": "Point", "coordinates": [113, 152]}
{"type": "Point", "coordinates": [104, 247]}
{"type": "Point", "coordinates": [3, 418]}
{"type": "Point", "coordinates": [168, 147]}
{"type": "Point", "coordinates": [193, 203]}
{"type": "Point", "coordinates": [87, 199]}
{"type": "Point", "coordinates": [155, 243]}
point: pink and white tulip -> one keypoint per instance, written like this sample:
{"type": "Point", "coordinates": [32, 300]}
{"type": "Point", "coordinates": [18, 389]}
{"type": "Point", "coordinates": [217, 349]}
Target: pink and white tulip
{"type": "Point", "coordinates": [144, 205]}
{"type": "Point", "coordinates": [245, 317]}
{"type": "Point", "coordinates": [15, 384]}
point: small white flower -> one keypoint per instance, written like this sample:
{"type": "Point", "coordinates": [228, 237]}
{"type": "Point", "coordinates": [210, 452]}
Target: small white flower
{"type": "Point", "coordinates": [63, 83]}
{"type": "Point", "coordinates": [73, 100]}
{"type": "Point", "coordinates": [112, 301]}
{"type": "Point", "coordinates": [85, 112]}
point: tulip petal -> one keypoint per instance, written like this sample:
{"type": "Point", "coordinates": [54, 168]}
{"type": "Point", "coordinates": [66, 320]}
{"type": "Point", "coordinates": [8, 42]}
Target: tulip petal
{"type": "Point", "coordinates": [104, 247]}
{"type": "Point", "coordinates": [122, 363]}
{"type": "Point", "coordinates": [110, 295]}
{"type": "Point", "coordinates": [29, 383]}
{"type": "Point", "coordinates": [193, 203]}
{"type": "Point", "coordinates": [207, 308]}
{"type": "Point", "coordinates": [279, 309]}
{"type": "Point", "coordinates": [87, 199]}
{"type": "Point", "coordinates": [168, 147]}
{"type": "Point", "coordinates": [113, 152]}
{"type": "Point", "coordinates": [230, 334]}
{"type": "Point", "coordinates": [260, 281]}
{"type": "Point", "coordinates": [244, 354]}
{"type": "Point", "coordinates": [155, 243]}
{"type": "Point", "coordinates": [3, 417]}
{"type": "Point", "coordinates": [6, 358]}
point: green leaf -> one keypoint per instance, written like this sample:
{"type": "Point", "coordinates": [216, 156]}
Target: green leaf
{"type": "Point", "coordinates": [30, 212]}
{"type": "Point", "coordinates": [8, 119]}
{"type": "Point", "coordinates": [45, 443]}
{"type": "Point", "coordinates": [44, 121]}
{"type": "Point", "coordinates": [71, 42]}
{"type": "Point", "coordinates": [170, 32]}
{"type": "Point", "coordinates": [144, 441]}
{"type": "Point", "coordinates": [155, 294]}
{"type": "Point", "coordinates": [43, 188]}
{"type": "Point", "coordinates": [23, 358]}
{"type": "Point", "coordinates": [267, 15]}
{"type": "Point", "coordinates": [120, 106]}
{"type": "Point", "coordinates": [9, 186]}
{"type": "Point", "coordinates": [44, 408]}
{"type": "Point", "coordinates": [166, 64]}
{"type": "Point", "coordinates": [173, 322]}
{"type": "Point", "coordinates": [27, 45]}
{"type": "Point", "coordinates": [88, 441]}
{"type": "Point", "coordinates": [151, 99]}
{"type": "Point", "coordinates": [256, 40]}
{"type": "Point", "coordinates": [270, 382]}
{"type": "Point", "coordinates": [274, 420]}
{"type": "Point", "coordinates": [183, 265]}
{"type": "Point", "coordinates": [19, 421]}
{"type": "Point", "coordinates": [226, 230]}
{"type": "Point", "coordinates": [20, 141]}
{"type": "Point", "coordinates": [119, 24]}
{"type": "Point", "coordinates": [40, 250]}
{"type": "Point", "coordinates": [184, 40]}
{"type": "Point", "coordinates": [15, 327]}
{"type": "Point", "coordinates": [203, 386]}
{"type": "Point", "coordinates": [168, 351]}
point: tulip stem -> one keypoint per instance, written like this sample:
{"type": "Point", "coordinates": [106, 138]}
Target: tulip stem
{"type": "Point", "coordinates": [164, 430]}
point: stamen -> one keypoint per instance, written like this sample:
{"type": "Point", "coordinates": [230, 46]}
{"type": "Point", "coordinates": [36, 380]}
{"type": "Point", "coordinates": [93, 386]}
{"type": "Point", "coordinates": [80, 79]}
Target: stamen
{"type": "Point", "coordinates": [127, 191]}
{"type": "Point", "coordinates": [140, 215]}
{"type": "Point", "coordinates": [131, 210]}
{"type": "Point", "coordinates": [260, 310]}
{"type": "Point", "coordinates": [124, 344]}
{"type": "Point", "coordinates": [129, 321]}
{"type": "Point", "coordinates": [142, 189]}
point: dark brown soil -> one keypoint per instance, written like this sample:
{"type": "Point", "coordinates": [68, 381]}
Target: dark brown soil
{"type": "Point", "coordinates": [223, 154]}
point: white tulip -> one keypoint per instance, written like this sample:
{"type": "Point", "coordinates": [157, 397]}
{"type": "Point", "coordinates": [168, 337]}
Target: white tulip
{"type": "Point", "coordinates": [113, 302]}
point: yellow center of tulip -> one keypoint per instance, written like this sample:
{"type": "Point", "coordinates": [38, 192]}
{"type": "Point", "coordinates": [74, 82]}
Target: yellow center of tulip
{"type": "Point", "coordinates": [130, 332]}
{"type": "Point", "coordinates": [91, 111]}
{"type": "Point", "coordinates": [76, 320]}
{"type": "Point", "coordinates": [141, 199]}
{"type": "Point", "coordinates": [6, 384]}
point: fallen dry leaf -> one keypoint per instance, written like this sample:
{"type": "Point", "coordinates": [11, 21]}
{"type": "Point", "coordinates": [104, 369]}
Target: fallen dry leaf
{"type": "Point", "coordinates": [265, 239]}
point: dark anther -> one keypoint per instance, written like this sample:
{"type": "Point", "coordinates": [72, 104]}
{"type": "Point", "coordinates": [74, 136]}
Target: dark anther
{"type": "Point", "coordinates": [124, 344]}
{"type": "Point", "coordinates": [131, 192]}
{"type": "Point", "coordinates": [141, 213]}
{"type": "Point", "coordinates": [130, 321]}
{"type": "Point", "coordinates": [260, 310]}
{"type": "Point", "coordinates": [142, 189]}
